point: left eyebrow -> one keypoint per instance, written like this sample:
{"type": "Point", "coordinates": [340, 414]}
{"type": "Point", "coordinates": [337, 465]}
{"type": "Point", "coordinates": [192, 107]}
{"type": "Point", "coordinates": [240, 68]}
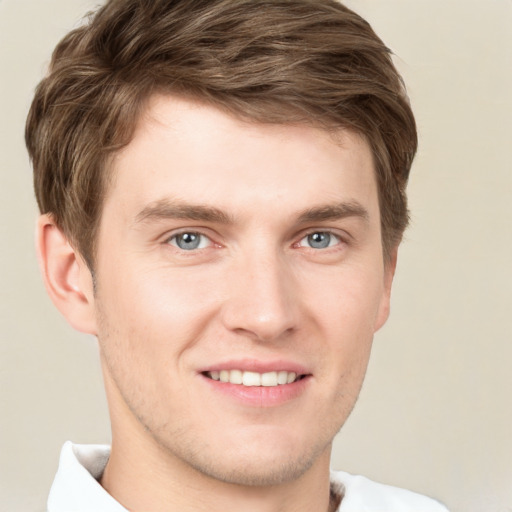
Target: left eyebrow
{"type": "Point", "coordinates": [334, 212]}
{"type": "Point", "coordinates": [173, 209]}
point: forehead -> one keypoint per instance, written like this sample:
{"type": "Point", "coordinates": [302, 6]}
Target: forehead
{"type": "Point", "coordinates": [187, 150]}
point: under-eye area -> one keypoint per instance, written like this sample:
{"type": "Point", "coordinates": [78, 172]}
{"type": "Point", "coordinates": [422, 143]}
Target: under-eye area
{"type": "Point", "coordinates": [247, 378]}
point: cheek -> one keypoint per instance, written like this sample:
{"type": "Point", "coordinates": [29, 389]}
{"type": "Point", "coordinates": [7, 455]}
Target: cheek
{"type": "Point", "coordinates": [155, 313]}
{"type": "Point", "coordinates": [348, 314]}
{"type": "Point", "coordinates": [353, 302]}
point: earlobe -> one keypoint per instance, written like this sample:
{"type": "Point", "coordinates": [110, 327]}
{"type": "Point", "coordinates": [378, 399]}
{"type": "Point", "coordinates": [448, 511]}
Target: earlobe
{"type": "Point", "coordinates": [67, 278]}
{"type": "Point", "coordinates": [389, 273]}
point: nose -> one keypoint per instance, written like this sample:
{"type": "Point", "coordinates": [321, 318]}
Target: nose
{"type": "Point", "coordinates": [262, 302]}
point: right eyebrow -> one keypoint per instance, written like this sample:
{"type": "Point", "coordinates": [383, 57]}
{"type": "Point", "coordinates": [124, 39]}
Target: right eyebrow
{"type": "Point", "coordinates": [173, 209]}
{"type": "Point", "coordinates": [335, 211]}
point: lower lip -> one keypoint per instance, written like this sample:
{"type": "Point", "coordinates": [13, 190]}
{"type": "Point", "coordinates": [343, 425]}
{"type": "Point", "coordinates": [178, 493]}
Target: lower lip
{"type": "Point", "coordinates": [259, 396]}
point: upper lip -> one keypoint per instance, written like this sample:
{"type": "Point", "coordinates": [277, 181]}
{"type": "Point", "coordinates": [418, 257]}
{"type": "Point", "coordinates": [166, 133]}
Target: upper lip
{"type": "Point", "coordinates": [258, 366]}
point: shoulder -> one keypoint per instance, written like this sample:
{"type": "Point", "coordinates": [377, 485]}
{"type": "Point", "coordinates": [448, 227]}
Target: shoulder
{"type": "Point", "coordinates": [363, 495]}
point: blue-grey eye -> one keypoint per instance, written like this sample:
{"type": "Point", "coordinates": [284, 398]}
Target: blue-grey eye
{"type": "Point", "coordinates": [319, 240]}
{"type": "Point", "coordinates": [189, 241]}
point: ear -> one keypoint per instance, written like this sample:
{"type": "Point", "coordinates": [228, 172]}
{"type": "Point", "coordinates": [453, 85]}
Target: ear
{"type": "Point", "coordinates": [66, 276]}
{"type": "Point", "coordinates": [389, 274]}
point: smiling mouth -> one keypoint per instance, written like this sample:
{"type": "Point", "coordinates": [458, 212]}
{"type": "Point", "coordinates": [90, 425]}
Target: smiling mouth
{"type": "Point", "coordinates": [252, 379]}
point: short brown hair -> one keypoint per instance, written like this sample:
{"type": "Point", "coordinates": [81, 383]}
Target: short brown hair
{"type": "Point", "coordinates": [271, 61]}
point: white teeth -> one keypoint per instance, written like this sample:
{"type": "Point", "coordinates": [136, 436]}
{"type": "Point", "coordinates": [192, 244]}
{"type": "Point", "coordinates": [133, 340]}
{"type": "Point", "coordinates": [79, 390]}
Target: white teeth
{"type": "Point", "coordinates": [235, 377]}
{"type": "Point", "coordinates": [282, 378]}
{"type": "Point", "coordinates": [253, 378]}
{"type": "Point", "coordinates": [269, 379]}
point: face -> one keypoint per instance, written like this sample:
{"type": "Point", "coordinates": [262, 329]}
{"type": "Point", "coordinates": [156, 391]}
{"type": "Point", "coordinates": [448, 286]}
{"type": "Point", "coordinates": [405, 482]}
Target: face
{"type": "Point", "coordinates": [240, 280]}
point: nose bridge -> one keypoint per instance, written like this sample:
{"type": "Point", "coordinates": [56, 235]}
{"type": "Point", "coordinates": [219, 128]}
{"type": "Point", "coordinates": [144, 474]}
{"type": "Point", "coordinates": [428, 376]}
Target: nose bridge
{"type": "Point", "coordinates": [261, 302]}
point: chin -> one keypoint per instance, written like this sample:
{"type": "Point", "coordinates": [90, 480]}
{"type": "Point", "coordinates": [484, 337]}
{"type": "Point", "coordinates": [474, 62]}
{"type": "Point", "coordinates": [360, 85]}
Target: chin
{"type": "Point", "coordinates": [257, 460]}
{"type": "Point", "coordinates": [264, 472]}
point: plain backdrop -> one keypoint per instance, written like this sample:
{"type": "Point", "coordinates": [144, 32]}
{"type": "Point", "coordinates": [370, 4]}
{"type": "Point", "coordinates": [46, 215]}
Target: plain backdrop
{"type": "Point", "coordinates": [435, 414]}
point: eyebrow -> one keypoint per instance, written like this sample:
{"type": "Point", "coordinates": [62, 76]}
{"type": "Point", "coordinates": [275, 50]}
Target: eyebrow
{"type": "Point", "coordinates": [334, 212]}
{"type": "Point", "coordinates": [169, 209]}
{"type": "Point", "coordinates": [173, 209]}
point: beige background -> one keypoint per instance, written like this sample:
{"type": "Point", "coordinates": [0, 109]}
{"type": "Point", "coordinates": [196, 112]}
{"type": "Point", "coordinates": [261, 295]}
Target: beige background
{"type": "Point", "coordinates": [435, 414]}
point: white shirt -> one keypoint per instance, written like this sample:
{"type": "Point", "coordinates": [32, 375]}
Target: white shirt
{"type": "Point", "coordinates": [76, 488]}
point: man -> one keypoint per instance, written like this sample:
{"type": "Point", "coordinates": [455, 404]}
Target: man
{"type": "Point", "coordinates": [222, 195]}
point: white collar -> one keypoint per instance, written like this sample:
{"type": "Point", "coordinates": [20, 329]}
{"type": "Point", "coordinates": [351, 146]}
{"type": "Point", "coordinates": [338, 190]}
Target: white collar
{"type": "Point", "coordinates": [76, 487]}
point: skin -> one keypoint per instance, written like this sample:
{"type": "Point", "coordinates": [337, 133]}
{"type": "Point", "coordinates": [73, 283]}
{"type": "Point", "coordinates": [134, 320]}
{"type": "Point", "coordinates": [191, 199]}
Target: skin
{"type": "Point", "coordinates": [255, 289]}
